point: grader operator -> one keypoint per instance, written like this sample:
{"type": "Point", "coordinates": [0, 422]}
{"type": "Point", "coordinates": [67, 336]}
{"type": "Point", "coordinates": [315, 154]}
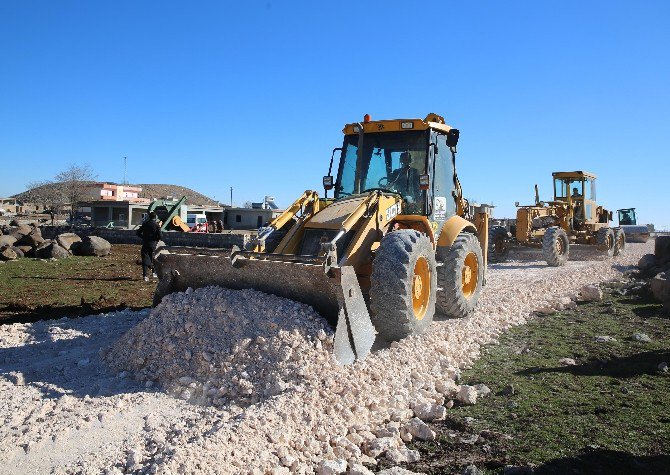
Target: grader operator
{"type": "Point", "coordinates": [379, 257]}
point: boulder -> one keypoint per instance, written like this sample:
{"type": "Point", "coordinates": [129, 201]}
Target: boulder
{"type": "Point", "coordinates": [49, 250]}
{"type": "Point", "coordinates": [591, 293]}
{"type": "Point", "coordinates": [662, 249]}
{"type": "Point", "coordinates": [66, 240]}
{"type": "Point", "coordinates": [33, 240]}
{"type": "Point", "coordinates": [93, 246]}
{"type": "Point", "coordinates": [647, 265]}
{"type": "Point", "coordinates": [419, 429]}
{"type": "Point", "coordinates": [427, 411]}
{"type": "Point", "coordinates": [18, 251]}
{"type": "Point", "coordinates": [26, 250]}
{"type": "Point", "coordinates": [467, 395]}
{"type": "Point", "coordinates": [19, 231]}
{"type": "Point", "coordinates": [660, 287]}
{"type": "Point", "coordinates": [7, 240]}
{"type": "Point", "coordinates": [7, 254]}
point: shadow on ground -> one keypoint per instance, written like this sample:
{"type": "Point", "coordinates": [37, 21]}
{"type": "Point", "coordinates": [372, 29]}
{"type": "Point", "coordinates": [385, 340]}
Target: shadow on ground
{"type": "Point", "coordinates": [620, 367]}
{"type": "Point", "coordinates": [606, 462]}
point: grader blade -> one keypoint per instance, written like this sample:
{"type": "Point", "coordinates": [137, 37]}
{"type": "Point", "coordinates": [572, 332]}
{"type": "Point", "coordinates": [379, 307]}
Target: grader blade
{"type": "Point", "coordinates": [337, 296]}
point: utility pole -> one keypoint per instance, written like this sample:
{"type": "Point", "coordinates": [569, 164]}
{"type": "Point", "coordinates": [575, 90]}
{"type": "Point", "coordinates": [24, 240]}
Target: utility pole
{"type": "Point", "coordinates": [231, 196]}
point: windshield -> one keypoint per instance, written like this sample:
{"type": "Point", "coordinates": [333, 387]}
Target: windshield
{"type": "Point", "coordinates": [392, 161]}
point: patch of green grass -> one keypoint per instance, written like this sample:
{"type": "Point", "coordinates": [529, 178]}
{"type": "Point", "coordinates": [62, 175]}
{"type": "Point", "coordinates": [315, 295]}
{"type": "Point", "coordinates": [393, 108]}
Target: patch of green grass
{"type": "Point", "coordinates": [608, 410]}
{"type": "Point", "coordinates": [35, 288]}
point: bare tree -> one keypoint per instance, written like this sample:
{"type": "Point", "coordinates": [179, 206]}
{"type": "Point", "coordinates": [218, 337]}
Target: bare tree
{"type": "Point", "coordinates": [69, 183]}
{"type": "Point", "coordinates": [65, 189]}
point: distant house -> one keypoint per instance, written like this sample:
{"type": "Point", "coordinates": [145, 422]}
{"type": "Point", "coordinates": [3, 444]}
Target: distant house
{"type": "Point", "coordinates": [112, 192]}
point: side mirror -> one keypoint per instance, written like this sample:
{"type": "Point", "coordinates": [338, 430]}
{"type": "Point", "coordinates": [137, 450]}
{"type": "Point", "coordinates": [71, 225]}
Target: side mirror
{"type": "Point", "coordinates": [516, 203]}
{"type": "Point", "coordinates": [328, 182]}
{"type": "Point", "coordinates": [452, 138]}
{"type": "Point", "coordinates": [424, 182]}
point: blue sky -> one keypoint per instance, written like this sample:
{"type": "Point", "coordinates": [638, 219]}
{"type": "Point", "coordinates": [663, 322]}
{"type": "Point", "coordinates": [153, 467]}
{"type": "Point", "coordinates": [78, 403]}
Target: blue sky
{"type": "Point", "coordinates": [254, 94]}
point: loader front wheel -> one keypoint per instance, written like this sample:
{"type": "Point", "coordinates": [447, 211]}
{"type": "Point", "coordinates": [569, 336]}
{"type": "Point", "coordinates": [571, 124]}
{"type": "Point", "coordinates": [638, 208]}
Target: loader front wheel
{"type": "Point", "coordinates": [605, 241]}
{"type": "Point", "coordinates": [460, 276]}
{"type": "Point", "coordinates": [619, 241]}
{"type": "Point", "coordinates": [403, 285]}
{"type": "Point", "coordinates": [555, 246]}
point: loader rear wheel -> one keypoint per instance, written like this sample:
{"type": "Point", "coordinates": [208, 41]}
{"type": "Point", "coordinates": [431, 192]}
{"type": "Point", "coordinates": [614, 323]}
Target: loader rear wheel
{"type": "Point", "coordinates": [605, 241]}
{"type": "Point", "coordinates": [555, 246]}
{"type": "Point", "coordinates": [403, 285]}
{"type": "Point", "coordinates": [619, 241]}
{"type": "Point", "coordinates": [460, 277]}
{"type": "Point", "coordinates": [498, 244]}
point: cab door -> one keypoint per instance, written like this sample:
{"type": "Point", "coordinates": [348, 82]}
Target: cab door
{"type": "Point", "coordinates": [441, 196]}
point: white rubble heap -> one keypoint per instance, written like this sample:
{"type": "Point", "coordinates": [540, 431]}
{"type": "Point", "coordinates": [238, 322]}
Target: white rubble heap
{"type": "Point", "coordinates": [219, 381]}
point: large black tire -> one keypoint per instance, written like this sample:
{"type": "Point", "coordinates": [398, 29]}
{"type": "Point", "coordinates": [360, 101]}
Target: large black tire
{"type": "Point", "coordinates": [460, 276]}
{"type": "Point", "coordinates": [555, 246]}
{"type": "Point", "coordinates": [605, 241]}
{"type": "Point", "coordinates": [401, 302]}
{"type": "Point", "coordinates": [499, 244]}
{"type": "Point", "coordinates": [619, 241]}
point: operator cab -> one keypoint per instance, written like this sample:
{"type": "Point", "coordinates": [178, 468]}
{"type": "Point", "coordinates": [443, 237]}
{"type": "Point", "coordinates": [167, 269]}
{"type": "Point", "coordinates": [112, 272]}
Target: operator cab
{"type": "Point", "coordinates": [577, 188]}
{"type": "Point", "coordinates": [627, 217]}
{"type": "Point", "coordinates": [411, 158]}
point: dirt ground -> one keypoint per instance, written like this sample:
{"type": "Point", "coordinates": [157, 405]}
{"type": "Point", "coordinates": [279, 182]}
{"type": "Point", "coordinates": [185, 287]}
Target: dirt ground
{"type": "Point", "coordinates": [63, 409]}
{"type": "Point", "coordinates": [34, 289]}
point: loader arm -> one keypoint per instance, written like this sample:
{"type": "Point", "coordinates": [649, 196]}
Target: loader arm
{"type": "Point", "coordinates": [307, 205]}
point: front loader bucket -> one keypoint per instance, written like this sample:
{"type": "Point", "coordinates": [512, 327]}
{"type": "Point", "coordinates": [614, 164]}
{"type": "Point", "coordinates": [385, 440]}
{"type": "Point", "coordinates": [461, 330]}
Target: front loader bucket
{"type": "Point", "coordinates": [337, 296]}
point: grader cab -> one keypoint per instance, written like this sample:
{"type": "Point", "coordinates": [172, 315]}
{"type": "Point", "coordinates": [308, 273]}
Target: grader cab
{"type": "Point", "coordinates": [572, 217]}
{"type": "Point", "coordinates": [378, 258]}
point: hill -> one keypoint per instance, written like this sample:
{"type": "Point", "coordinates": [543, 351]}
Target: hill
{"type": "Point", "coordinates": [149, 190]}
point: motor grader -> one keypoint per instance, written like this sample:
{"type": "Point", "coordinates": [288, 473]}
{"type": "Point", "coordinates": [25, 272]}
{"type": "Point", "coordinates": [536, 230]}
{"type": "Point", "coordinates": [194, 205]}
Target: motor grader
{"type": "Point", "coordinates": [573, 217]}
{"type": "Point", "coordinates": [379, 257]}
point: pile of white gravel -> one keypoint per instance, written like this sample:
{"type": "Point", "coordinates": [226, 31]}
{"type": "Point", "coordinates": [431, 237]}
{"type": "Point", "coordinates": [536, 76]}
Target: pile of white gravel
{"type": "Point", "coordinates": [200, 345]}
{"type": "Point", "coordinates": [219, 346]}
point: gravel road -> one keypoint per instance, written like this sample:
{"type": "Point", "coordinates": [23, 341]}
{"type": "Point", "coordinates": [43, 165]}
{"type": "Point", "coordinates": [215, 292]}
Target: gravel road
{"type": "Point", "coordinates": [165, 392]}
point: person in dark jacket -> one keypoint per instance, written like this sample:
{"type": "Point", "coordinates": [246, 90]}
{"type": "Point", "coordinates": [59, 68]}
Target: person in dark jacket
{"type": "Point", "coordinates": [150, 233]}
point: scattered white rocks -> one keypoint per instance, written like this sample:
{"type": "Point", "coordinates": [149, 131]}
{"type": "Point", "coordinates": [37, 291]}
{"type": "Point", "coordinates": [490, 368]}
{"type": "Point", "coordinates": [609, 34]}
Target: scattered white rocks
{"type": "Point", "coordinates": [398, 471]}
{"type": "Point", "coordinates": [605, 339]}
{"type": "Point", "coordinates": [663, 367]}
{"type": "Point", "coordinates": [419, 429]}
{"type": "Point", "coordinates": [359, 469]}
{"type": "Point", "coordinates": [591, 293]}
{"type": "Point", "coordinates": [428, 411]}
{"type": "Point", "coordinates": [482, 390]}
{"type": "Point", "coordinates": [261, 377]}
{"type": "Point", "coordinates": [467, 395]}
{"type": "Point", "coordinates": [332, 467]}
{"type": "Point", "coordinates": [641, 337]}
{"type": "Point", "coordinates": [246, 347]}
{"type": "Point", "coordinates": [567, 362]}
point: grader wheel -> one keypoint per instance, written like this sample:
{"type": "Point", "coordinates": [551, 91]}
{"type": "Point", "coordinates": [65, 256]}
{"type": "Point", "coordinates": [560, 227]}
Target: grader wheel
{"type": "Point", "coordinates": [605, 241]}
{"type": "Point", "coordinates": [498, 244]}
{"type": "Point", "coordinates": [619, 241]}
{"type": "Point", "coordinates": [555, 246]}
{"type": "Point", "coordinates": [403, 285]}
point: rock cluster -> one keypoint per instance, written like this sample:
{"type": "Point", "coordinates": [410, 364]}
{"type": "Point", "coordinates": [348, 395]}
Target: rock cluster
{"type": "Point", "coordinates": [27, 241]}
{"type": "Point", "coordinates": [656, 267]}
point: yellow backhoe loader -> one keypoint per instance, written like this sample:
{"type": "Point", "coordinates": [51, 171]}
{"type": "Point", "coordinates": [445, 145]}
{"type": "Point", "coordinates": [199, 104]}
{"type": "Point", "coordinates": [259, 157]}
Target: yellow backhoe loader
{"type": "Point", "coordinates": [390, 248]}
